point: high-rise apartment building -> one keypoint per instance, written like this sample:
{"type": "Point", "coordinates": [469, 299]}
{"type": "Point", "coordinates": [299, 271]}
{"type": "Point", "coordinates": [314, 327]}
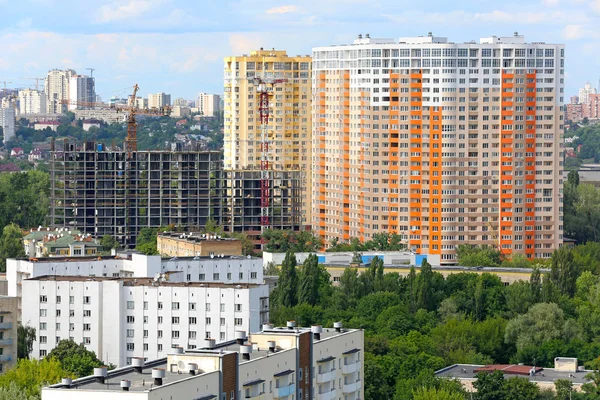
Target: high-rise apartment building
{"type": "Point", "coordinates": [289, 122]}
{"type": "Point", "coordinates": [208, 104]}
{"type": "Point", "coordinates": [81, 90]}
{"type": "Point", "coordinates": [159, 100]}
{"type": "Point", "coordinates": [32, 102]}
{"type": "Point", "coordinates": [445, 143]}
{"type": "Point", "coordinates": [7, 122]}
{"type": "Point", "coordinates": [585, 92]}
{"type": "Point", "coordinates": [56, 87]}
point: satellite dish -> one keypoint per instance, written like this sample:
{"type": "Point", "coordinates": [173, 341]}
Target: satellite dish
{"type": "Point", "coordinates": [181, 365]}
{"type": "Point", "coordinates": [157, 277]}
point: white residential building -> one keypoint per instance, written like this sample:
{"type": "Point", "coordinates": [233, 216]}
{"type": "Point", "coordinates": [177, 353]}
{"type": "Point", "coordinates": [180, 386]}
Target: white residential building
{"type": "Point", "coordinates": [584, 93]}
{"type": "Point", "coordinates": [277, 363]}
{"type": "Point", "coordinates": [7, 122]}
{"type": "Point", "coordinates": [159, 100]}
{"type": "Point", "coordinates": [81, 90]}
{"type": "Point", "coordinates": [119, 318]}
{"type": "Point", "coordinates": [228, 270]}
{"type": "Point", "coordinates": [32, 102]}
{"type": "Point", "coordinates": [56, 88]}
{"type": "Point", "coordinates": [208, 104]}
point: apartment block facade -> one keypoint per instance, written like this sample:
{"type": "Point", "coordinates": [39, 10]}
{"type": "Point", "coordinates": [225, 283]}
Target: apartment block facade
{"type": "Point", "coordinates": [32, 102]}
{"type": "Point", "coordinates": [208, 104]}
{"type": "Point", "coordinates": [290, 120]}
{"type": "Point", "coordinates": [82, 89]}
{"type": "Point", "coordinates": [444, 143]}
{"type": "Point", "coordinates": [8, 332]}
{"type": "Point", "coordinates": [286, 363]}
{"type": "Point", "coordinates": [159, 100]}
{"type": "Point", "coordinates": [120, 318]}
{"type": "Point", "coordinates": [56, 88]}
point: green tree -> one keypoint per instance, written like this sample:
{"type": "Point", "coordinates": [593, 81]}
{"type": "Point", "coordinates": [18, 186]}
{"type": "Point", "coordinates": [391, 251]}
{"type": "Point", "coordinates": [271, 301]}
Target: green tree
{"type": "Point", "coordinates": [424, 287]}
{"type": "Point", "coordinates": [349, 289]}
{"type": "Point", "coordinates": [564, 272]}
{"type": "Point", "coordinates": [146, 241]}
{"type": "Point", "coordinates": [25, 338]}
{"type": "Point", "coordinates": [75, 358]}
{"type": "Point", "coordinates": [437, 394]}
{"type": "Point", "coordinates": [592, 386]}
{"type": "Point", "coordinates": [13, 392]}
{"type": "Point", "coordinates": [287, 285]}
{"type": "Point", "coordinates": [312, 277]}
{"type": "Point", "coordinates": [30, 375]}
{"type": "Point", "coordinates": [11, 244]}
{"type": "Point", "coordinates": [564, 389]}
{"type": "Point", "coordinates": [518, 388]}
{"type": "Point", "coordinates": [474, 256]}
{"type": "Point", "coordinates": [109, 242]}
{"type": "Point", "coordinates": [490, 386]}
{"type": "Point", "coordinates": [543, 322]}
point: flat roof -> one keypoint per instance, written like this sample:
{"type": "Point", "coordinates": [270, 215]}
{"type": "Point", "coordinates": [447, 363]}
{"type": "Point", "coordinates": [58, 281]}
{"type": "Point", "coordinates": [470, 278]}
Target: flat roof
{"type": "Point", "coordinates": [127, 281]}
{"type": "Point", "coordinates": [550, 375]}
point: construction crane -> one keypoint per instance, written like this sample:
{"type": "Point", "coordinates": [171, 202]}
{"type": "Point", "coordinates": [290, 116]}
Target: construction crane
{"type": "Point", "coordinates": [91, 71]}
{"type": "Point", "coordinates": [132, 110]}
{"type": "Point", "coordinates": [264, 88]}
{"type": "Point", "coordinates": [37, 81]}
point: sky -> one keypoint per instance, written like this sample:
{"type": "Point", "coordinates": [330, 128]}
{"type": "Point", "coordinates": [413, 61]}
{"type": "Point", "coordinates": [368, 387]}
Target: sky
{"type": "Point", "coordinates": [177, 46]}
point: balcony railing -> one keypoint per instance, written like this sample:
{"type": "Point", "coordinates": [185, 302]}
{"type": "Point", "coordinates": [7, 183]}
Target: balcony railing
{"type": "Point", "coordinates": [5, 342]}
{"type": "Point", "coordinates": [325, 377]}
{"type": "Point", "coordinates": [351, 368]}
{"type": "Point", "coordinates": [5, 358]}
{"type": "Point", "coordinates": [5, 325]}
{"type": "Point", "coordinates": [284, 391]}
{"type": "Point", "coordinates": [327, 395]}
{"type": "Point", "coordinates": [351, 387]}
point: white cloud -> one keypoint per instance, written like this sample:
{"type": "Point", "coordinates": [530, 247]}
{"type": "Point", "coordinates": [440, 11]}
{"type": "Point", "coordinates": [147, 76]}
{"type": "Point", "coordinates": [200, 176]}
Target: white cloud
{"type": "Point", "coordinates": [242, 43]}
{"type": "Point", "coordinates": [574, 32]}
{"type": "Point", "coordinates": [121, 10]}
{"type": "Point", "coordinates": [595, 4]}
{"type": "Point", "coordinates": [282, 10]}
{"type": "Point", "coordinates": [491, 17]}
{"type": "Point", "coordinates": [550, 3]}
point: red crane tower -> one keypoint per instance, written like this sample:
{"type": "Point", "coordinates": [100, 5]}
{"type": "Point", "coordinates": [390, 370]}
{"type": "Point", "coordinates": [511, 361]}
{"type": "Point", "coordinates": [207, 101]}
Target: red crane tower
{"type": "Point", "coordinates": [264, 88]}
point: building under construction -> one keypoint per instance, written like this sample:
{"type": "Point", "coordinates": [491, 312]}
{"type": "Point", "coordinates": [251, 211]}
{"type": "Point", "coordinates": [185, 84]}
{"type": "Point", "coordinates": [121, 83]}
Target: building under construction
{"type": "Point", "coordinates": [114, 192]}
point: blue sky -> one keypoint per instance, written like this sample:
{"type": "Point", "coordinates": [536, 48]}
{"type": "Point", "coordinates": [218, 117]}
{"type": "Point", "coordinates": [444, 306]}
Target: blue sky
{"type": "Point", "coordinates": [177, 46]}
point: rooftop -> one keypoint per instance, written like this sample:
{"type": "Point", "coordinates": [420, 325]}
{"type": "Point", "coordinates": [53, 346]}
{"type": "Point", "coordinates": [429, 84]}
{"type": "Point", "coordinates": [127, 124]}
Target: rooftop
{"type": "Point", "coordinates": [141, 379]}
{"type": "Point", "coordinates": [467, 371]}
{"type": "Point", "coordinates": [141, 281]}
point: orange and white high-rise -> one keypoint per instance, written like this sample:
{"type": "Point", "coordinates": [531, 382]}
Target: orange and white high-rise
{"type": "Point", "coordinates": [444, 143]}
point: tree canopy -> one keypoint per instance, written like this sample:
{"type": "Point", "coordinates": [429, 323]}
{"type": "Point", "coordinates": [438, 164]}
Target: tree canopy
{"type": "Point", "coordinates": [75, 358]}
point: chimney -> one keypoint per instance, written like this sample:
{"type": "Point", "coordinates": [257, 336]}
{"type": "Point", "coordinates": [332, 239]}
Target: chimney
{"type": "Point", "coordinates": [158, 374]}
{"type": "Point", "coordinates": [138, 364]}
{"type": "Point", "coordinates": [272, 345]}
{"type": "Point", "coordinates": [291, 324]}
{"type": "Point", "coordinates": [240, 337]}
{"type": "Point", "coordinates": [430, 34]}
{"type": "Point", "coordinates": [209, 343]}
{"type": "Point", "coordinates": [316, 330]}
{"type": "Point", "coordinates": [246, 350]}
{"type": "Point", "coordinates": [338, 326]}
{"type": "Point", "coordinates": [360, 35]}
{"type": "Point", "coordinates": [367, 36]}
{"type": "Point", "coordinates": [125, 385]}
{"type": "Point", "coordinates": [192, 367]}
{"type": "Point", "coordinates": [100, 374]}
{"type": "Point", "coordinates": [66, 382]}
{"type": "Point", "coordinates": [267, 326]}
{"type": "Point", "coordinates": [516, 33]}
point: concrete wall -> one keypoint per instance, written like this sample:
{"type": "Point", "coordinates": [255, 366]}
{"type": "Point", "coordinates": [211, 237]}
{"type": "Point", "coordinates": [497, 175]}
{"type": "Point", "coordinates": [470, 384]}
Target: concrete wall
{"type": "Point", "coordinates": [183, 247]}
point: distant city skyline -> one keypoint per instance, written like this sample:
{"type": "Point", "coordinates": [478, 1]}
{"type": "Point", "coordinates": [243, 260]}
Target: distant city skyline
{"type": "Point", "coordinates": [177, 47]}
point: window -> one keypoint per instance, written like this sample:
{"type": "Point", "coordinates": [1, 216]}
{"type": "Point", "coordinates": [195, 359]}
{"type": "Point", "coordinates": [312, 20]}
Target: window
{"type": "Point", "coordinates": [175, 306]}
{"type": "Point", "coordinates": [175, 320]}
{"type": "Point", "coordinates": [145, 333]}
{"type": "Point", "coordinates": [193, 307]}
{"type": "Point", "coordinates": [130, 319]}
{"type": "Point", "coordinates": [130, 305]}
{"type": "Point", "coordinates": [159, 334]}
{"type": "Point", "coordinates": [201, 277]}
{"type": "Point", "coordinates": [145, 346]}
{"type": "Point", "coordinates": [216, 276]}
{"type": "Point", "coordinates": [222, 336]}
{"type": "Point", "coordinates": [238, 321]}
{"type": "Point", "coordinates": [43, 312]}
{"type": "Point", "coordinates": [87, 313]}
{"type": "Point", "coordinates": [58, 299]}
{"type": "Point", "coordinates": [160, 320]}
{"type": "Point", "coordinates": [159, 347]}
{"type": "Point", "coordinates": [145, 305]}
{"type": "Point", "coordinates": [71, 326]}
{"type": "Point", "coordinates": [87, 327]}
{"type": "Point", "coordinates": [192, 320]}
{"type": "Point", "coordinates": [192, 334]}
{"type": "Point", "coordinates": [222, 307]}
{"type": "Point", "coordinates": [43, 299]}
{"type": "Point", "coordinates": [130, 346]}
{"type": "Point", "coordinates": [238, 307]}
{"type": "Point", "coordinates": [58, 313]}
{"type": "Point", "coordinates": [71, 313]}
{"type": "Point", "coordinates": [175, 334]}
{"type": "Point", "coordinates": [252, 275]}
{"type": "Point", "coordinates": [42, 326]}
{"type": "Point", "coordinates": [241, 275]}
{"type": "Point", "coordinates": [87, 340]}
{"type": "Point", "coordinates": [58, 329]}
{"type": "Point", "coordinates": [43, 353]}
{"type": "Point", "coordinates": [159, 305]}
{"type": "Point", "coordinates": [222, 321]}
{"type": "Point", "coordinates": [130, 332]}
{"type": "Point", "coordinates": [71, 299]}
{"type": "Point", "coordinates": [208, 320]}
{"type": "Point", "coordinates": [86, 299]}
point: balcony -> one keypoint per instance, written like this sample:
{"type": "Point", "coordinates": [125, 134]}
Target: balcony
{"type": "Point", "coordinates": [284, 391]}
{"type": "Point", "coordinates": [5, 342]}
{"type": "Point", "coordinates": [5, 325]}
{"type": "Point", "coordinates": [325, 377]}
{"type": "Point", "coordinates": [351, 368]}
{"type": "Point", "coordinates": [258, 396]}
{"type": "Point", "coordinates": [351, 387]}
{"type": "Point", "coordinates": [5, 358]}
{"type": "Point", "coordinates": [327, 395]}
